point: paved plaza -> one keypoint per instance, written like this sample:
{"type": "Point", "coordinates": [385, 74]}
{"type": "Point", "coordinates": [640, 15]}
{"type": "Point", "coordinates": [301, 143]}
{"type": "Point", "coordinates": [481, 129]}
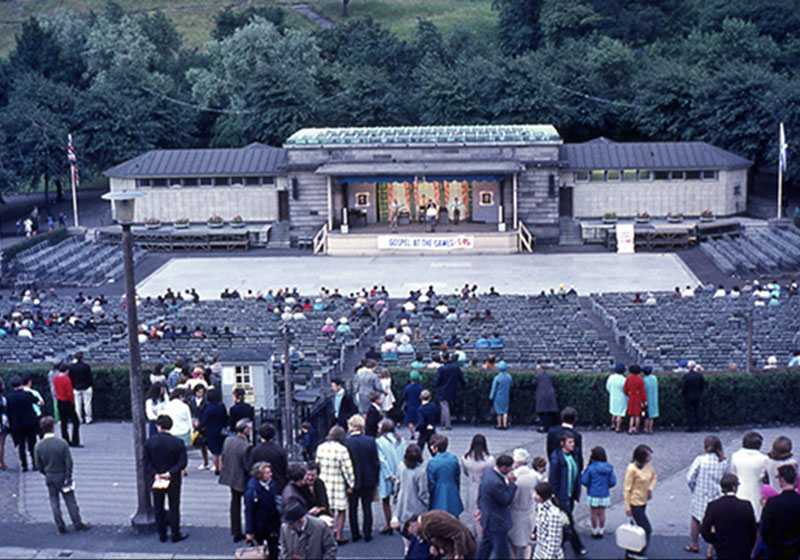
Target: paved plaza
{"type": "Point", "coordinates": [106, 494]}
{"type": "Point", "coordinates": [510, 274]}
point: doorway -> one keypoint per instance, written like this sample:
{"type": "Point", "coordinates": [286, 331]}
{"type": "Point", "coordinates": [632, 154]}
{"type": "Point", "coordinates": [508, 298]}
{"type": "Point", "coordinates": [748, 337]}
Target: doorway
{"type": "Point", "coordinates": [283, 206]}
{"type": "Point", "coordinates": [565, 202]}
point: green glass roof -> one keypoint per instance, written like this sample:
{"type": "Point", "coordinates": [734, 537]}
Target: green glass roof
{"type": "Point", "coordinates": [491, 134]}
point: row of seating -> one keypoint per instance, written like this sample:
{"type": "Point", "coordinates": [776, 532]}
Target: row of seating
{"type": "Point", "coordinates": [757, 250]}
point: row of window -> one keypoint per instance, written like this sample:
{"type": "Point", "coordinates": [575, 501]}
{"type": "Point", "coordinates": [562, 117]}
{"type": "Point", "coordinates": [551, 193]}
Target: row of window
{"type": "Point", "coordinates": [174, 182]}
{"type": "Point", "coordinates": [645, 175]}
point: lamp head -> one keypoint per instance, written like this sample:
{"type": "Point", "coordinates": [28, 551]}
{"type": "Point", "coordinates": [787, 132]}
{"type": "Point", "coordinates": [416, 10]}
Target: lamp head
{"type": "Point", "coordinates": [123, 203]}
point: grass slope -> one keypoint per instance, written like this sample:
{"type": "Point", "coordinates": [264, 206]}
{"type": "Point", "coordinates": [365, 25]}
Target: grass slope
{"type": "Point", "coordinates": [194, 19]}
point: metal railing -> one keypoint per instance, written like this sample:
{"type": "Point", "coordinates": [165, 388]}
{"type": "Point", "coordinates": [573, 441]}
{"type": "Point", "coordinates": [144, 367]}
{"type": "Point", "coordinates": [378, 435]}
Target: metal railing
{"type": "Point", "coordinates": [320, 242]}
{"type": "Point", "coordinates": [525, 239]}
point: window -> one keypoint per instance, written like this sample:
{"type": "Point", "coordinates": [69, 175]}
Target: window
{"type": "Point", "coordinates": [598, 176]}
{"type": "Point", "coordinates": [242, 378]}
{"type": "Point", "coordinates": [220, 181]}
{"type": "Point", "coordinates": [629, 175]}
{"type": "Point", "coordinates": [661, 175]}
{"type": "Point", "coordinates": [737, 190]}
{"type": "Point", "coordinates": [159, 182]}
{"type": "Point", "coordinates": [206, 181]}
{"type": "Point", "coordinates": [175, 182]}
{"type": "Point", "coordinates": [692, 175]}
{"type": "Point", "coordinates": [237, 181]}
{"type": "Point", "coordinates": [709, 174]}
{"type": "Point", "coordinates": [581, 176]}
{"type": "Point", "coordinates": [190, 182]}
{"type": "Point", "coordinates": [676, 175]}
{"type": "Point", "coordinates": [362, 199]}
{"type": "Point", "coordinates": [267, 180]}
{"type": "Point", "coordinates": [613, 175]}
{"type": "Point", "coordinates": [251, 181]}
{"type": "Point", "coordinates": [142, 182]}
{"type": "Point", "coordinates": [645, 175]}
{"type": "Point", "coordinates": [486, 198]}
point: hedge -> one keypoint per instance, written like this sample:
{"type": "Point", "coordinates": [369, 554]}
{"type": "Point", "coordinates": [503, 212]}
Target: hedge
{"type": "Point", "coordinates": [111, 399]}
{"type": "Point", "coordinates": [52, 237]}
{"type": "Point", "coordinates": [729, 398]}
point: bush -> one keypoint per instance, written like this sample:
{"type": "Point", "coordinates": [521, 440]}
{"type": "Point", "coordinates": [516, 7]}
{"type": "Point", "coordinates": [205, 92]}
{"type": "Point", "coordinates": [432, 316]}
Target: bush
{"type": "Point", "coordinates": [729, 398]}
{"type": "Point", "coordinates": [52, 237]}
{"type": "Point", "coordinates": [111, 399]}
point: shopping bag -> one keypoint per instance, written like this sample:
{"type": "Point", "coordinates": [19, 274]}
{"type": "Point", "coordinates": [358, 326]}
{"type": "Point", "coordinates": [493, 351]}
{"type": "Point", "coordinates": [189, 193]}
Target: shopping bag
{"type": "Point", "coordinates": [631, 537]}
{"type": "Point", "coordinates": [252, 553]}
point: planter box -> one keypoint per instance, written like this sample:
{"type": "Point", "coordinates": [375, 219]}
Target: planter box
{"type": "Point", "coordinates": [609, 220]}
{"type": "Point", "coordinates": [152, 226]}
{"type": "Point", "coordinates": [674, 220]}
{"type": "Point", "coordinates": [238, 224]}
{"type": "Point", "coordinates": [704, 219]}
{"type": "Point", "coordinates": [181, 225]}
{"type": "Point", "coordinates": [215, 225]}
{"type": "Point", "coordinates": [642, 220]}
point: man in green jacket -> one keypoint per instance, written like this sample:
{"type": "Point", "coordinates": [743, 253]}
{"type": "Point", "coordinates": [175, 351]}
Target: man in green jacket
{"type": "Point", "coordinates": [54, 460]}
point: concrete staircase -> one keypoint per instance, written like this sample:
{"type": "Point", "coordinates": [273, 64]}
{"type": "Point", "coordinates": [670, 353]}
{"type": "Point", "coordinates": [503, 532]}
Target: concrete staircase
{"type": "Point", "coordinates": [279, 236]}
{"type": "Point", "coordinates": [569, 230]}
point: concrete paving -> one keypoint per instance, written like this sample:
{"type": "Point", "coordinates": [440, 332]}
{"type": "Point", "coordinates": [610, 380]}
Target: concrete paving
{"type": "Point", "coordinates": [510, 274]}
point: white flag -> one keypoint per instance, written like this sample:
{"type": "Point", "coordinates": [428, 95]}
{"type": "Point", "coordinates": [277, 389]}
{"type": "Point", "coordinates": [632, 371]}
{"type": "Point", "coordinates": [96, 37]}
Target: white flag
{"type": "Point", "coordinates": [782, 150]}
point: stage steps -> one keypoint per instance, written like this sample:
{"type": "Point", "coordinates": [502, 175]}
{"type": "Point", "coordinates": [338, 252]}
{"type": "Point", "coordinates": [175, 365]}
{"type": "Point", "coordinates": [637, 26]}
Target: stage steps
{"type": "Point", "coordinates": [279, 236]}
{"type": "Point", "coordinates": [569, 230]}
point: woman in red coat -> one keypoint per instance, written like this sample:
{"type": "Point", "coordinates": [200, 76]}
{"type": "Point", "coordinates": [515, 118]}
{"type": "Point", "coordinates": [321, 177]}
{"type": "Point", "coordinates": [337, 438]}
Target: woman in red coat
{"type": "Point", "coordinates": [637, 397]}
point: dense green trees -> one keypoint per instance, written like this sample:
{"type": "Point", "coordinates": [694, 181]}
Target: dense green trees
{"type": "Point", "coordinates": [717, 70]}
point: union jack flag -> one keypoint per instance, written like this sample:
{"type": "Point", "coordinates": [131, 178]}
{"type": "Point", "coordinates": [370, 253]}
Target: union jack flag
{"type": "Point", "coordinates": [73, 161]}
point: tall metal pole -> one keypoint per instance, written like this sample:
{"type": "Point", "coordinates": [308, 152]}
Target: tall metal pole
{"type": "Point", "coordinates": [287, 386]}
{"type": "Point", "coordinates": [750, 342]}
{"type": "Point", "coordinates": [143, 520]}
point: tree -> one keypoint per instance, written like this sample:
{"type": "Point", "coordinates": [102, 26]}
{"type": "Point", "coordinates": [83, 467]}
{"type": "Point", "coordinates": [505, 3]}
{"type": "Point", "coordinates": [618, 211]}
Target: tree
{"type": "Point", "coordinates": [518, 28]}
{"type": "Point", "coordinates": [226, 21]}
{"type": "Point", "coordinates": [562, 19]}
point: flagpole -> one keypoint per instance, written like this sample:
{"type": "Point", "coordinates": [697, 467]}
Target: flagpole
{"type": "Point", "coordinates": [74, 190]}
{"type": "Point", "coordinates": [780, 190]}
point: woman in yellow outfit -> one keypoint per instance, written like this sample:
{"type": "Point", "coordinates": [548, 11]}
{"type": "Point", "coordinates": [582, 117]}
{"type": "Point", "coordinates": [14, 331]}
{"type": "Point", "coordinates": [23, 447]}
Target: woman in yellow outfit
{"type": "Point", "coordinates": [640, 480]}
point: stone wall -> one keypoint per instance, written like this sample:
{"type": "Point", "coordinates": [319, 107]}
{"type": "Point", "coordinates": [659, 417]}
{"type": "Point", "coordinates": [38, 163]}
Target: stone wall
{"type": "Point", "coordinates": [537, 209]}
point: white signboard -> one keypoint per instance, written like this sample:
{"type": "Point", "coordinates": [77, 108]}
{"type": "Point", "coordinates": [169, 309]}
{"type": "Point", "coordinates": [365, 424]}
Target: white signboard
{"type": "Point", "coordinates": [419, 243]}
{"type": "Point", "coordinates": [625, 238]}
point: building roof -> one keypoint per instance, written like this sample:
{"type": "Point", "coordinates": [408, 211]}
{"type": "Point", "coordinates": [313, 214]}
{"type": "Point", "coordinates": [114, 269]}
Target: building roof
{"type": "Point", "coordinates": [426, 135]}
{"type": "Point", "coordinates": [602, 153]}
{"type": "Point", "coordinates": [253, 159]}
{"type": "Point", "coordinates": [421, 168]}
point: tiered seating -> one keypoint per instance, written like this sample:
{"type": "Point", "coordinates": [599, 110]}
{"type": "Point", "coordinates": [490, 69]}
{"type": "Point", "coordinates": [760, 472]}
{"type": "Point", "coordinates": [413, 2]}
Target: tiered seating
{"type": "Point", "coordinates": [712, 331]}
{"type": "Point", "coordinates": [533, 328]}
{"type": "Point", "coordinates": [756, 250]}
{"type": "Point", "coordinates": [73, 262]}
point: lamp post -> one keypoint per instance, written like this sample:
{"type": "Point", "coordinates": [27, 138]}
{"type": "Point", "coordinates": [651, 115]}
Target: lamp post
{"type": "Point", "coordinates": [143, 521]}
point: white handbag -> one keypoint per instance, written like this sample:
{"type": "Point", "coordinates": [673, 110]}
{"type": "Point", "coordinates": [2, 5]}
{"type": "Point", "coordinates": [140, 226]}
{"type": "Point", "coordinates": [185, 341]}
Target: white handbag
{"type": "Point", "coordinates": [630, 536]}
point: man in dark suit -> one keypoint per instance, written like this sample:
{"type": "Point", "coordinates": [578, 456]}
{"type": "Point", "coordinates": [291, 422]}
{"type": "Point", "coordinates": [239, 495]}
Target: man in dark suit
{"type": "Point", "coordinates": [22, 420]}
{"type": "Point", "coordinates": [569, 417]}
{"type": "Point", "coordinates": [374, 414]}
{"type": "Point", "coordinates": [164, 461]}
{"type": "Point", "coordinates": [343, 406]}
{"type": "Point", "coordinates": [448, 378]}
{"type": "Point", "coordinates": [494, 498]}
{"type": "Point", "coordinates": [779, 520]}
{"type": "Point", "coordinates": [364, 455]}
{"type": "Point", "coordinates": [269, 452]}
{"type": "Point", "coordinates": [692, 386]}
{"type": "Point", "coordinates": [564, 477]}
{"type": "Point", "coordinates": [546, 405]}
{"type": "Point", "coordinates": [729, 523]}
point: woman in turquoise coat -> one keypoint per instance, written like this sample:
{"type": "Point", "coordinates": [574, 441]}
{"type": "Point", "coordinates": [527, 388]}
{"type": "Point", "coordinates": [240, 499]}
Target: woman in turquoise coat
{"type": "Point", "coordinates": [651, 389]}
{"type": "Point", "coordinates": [501, 394]}
{"type": "Point", "coordinates": [617, 401]}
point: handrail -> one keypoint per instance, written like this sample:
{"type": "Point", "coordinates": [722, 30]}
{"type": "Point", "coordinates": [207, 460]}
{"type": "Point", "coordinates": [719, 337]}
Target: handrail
{"type": "Point", "coordinates": [320, 241]}
{"type": "Point", "coordinates": [525, 239]}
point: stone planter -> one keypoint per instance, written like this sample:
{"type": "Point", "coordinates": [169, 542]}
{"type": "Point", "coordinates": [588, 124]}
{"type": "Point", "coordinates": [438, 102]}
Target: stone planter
{"type": "Point", "coordinates": [674, 220]}
{"type": "Point", "coordinates": [238, 224]}
{"type": "Point", "coordinates": [215, 225]}
{"type": "Point", "coordinates": [152, 226]}
{"type": "Point", "coordinates": [609, 220]}
{"type": "Point", "coordinates": [642, 220]}
{"type": "Point", "coordinates": [706, 219]}
{"type": "Point", "coordinates": [181, 225]}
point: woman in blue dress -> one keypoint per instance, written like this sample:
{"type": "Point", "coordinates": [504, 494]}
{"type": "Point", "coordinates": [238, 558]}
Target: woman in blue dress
{"type": "Point", "coordinates": [412, 403]}
{"type": "Point", "coordinates": [617, 401]}
{"type": "Point", "coordinates": [213, 420]}
{"type": "Point", "coordinates": [651, 389]}
{"type": "Point", "coordinates": [500, 395]}
{"type": "Point", "coordinates": [390, 454]}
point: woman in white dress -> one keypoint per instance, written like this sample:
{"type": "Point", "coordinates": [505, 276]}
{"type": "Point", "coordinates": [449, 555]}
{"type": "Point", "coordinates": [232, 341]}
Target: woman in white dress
{"type": "Point", "coordinates": [523, 506]}
{"type": "Point", "coordinates": [750, 465]}
{"type": "Point", "coordinates": [703, 479]}
{"type": "Point", "coordinates": [476, 460]}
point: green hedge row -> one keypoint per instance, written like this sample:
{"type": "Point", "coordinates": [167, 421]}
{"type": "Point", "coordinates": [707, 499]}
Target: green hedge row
{"type": "Point", "coordinates": [729, 398]}
{"type": "Point", "coordinates": [111, 398]}
{"type": "Point", "coordinates": [53, 237]}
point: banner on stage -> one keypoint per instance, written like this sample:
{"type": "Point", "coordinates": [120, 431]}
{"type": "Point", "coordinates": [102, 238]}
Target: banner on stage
{"type": "Point", "coordinates": [419, 243]}
{"type": "Point", "coordinates": [625, 238]}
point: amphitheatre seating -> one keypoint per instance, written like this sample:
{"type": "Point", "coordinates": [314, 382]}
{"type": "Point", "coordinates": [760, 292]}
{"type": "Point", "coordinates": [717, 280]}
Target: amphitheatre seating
{"type": "Point", "coordinates": [534, 329]}
{"type": "Point", "coordinates": [764, 250]}
{"type": "Point", "coordinates": [75, 262]}
{"type": "Point", "coordinates": [712, 331]}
